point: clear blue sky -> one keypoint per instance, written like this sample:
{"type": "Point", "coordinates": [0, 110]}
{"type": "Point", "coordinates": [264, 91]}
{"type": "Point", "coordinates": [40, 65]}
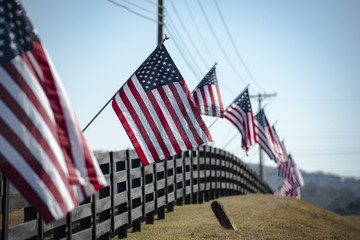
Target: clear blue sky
{"type": "Point", "coordinates": [308, 52]}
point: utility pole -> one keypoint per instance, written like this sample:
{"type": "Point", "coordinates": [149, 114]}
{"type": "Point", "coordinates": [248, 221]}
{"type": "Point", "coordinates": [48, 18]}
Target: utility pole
{"type": "Point", "coordinates": [260, 97]}
{"type": "Point", "coordinates": [160, 20]}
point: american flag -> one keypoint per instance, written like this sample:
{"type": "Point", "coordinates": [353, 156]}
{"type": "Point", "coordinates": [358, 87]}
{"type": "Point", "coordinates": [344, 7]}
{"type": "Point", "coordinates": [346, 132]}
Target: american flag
{"type": "Point", "coordinates": [288, 190]}
{"type": "Point", "coordinates": [286, 171]}
{"type": "Point", "coordinates": [284, 189]}
{"type": "Point", "coordinates": [157, 111]}
{"type": "Point", "coordinates": [207, 95]}
{"type": "Point", "coordinates": [240, 114]}
{"type": "Point", "coordinates": [263, 133]}
{"type": "Point", "coordinates": [278, 147]}
{"type": "Point", "coordinates": [299, 181]}
{"type": "Point", "coordinates": [42, 149]}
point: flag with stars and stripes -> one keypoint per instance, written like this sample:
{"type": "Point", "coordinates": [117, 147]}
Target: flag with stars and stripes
{"type": "Point", "coordinates": [298, 178]}
{"type": "Point", "coordinates": [240, 114]}
{"type": "Point", "coordinates": [42, 149]}
{"type": "Point", "coordinates": [264, 135]}
{"type": "Point", "coordinates": [207, 95]}
{"type": "Point", "coordinates": [157, 110]}
{"type": "Point", "coordinates": [278, 147]}
{"type": "Point", "coordinates": [286, 171]}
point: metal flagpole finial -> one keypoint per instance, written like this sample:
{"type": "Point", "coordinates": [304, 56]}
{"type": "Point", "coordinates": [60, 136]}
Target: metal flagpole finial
{"type": "Point", "coordinates": [165, 38]}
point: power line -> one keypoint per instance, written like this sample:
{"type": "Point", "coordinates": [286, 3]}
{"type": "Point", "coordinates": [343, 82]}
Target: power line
{"type": "Point", "coordinates": [234, 46]}
{"type": "Point", "coordinates": [140, 7]}
{"type": "Point", "coordinates": [219, 44]}
{"type": "Point", "coordinates": [182, 54]}
{"type": "Point", "coordinates": [198, 30]}
{"type": "Point", "coordinates": [151, 2]}
{"type": "Point", "coordinates": [132, 11]}
{"type": "Point", "coordinates": [187, 33]}
{"type": "Point", "coordinates": [186, 50]}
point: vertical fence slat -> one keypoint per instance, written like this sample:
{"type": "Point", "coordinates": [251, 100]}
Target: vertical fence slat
{"type": "Point", "coordinates": [5, 209]}
{"type": "Point", "coordinates": [136, 193]}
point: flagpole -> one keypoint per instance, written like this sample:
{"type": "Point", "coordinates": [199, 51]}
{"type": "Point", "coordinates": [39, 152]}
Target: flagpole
{"type": "Point", "coordinates": [230, 140]}
{"type": "Point", "coordinates": [212, 123]}
{"type": "Point", "coordinates": [107, 103]}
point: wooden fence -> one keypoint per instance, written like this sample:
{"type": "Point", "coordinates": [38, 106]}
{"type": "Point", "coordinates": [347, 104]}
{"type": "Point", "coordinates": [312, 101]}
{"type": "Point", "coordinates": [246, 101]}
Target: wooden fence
{"type": "Point", "coordinates": [135, 195]}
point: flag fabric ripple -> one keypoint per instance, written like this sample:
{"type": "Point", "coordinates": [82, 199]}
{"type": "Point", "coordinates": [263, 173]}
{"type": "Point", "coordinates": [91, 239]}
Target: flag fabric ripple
{"type": "Point", "coordinates": [207, 95]}
{"type": "Point", "coordinates": [157, 110]}
{"type": "Point", "coordinates": [42, 149]}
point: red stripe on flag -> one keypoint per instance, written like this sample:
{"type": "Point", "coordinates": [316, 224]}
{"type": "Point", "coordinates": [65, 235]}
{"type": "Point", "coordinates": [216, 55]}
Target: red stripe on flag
{"type": "Point", "coordinates": [185, 113]}
{"type": "Point", "coordinates": [164, 122]}
{"type": "Point", "coordinates": [213, 103]}
{"type": "Point", "coordinates": [19, 80]}
{"type": "Point", "coordinates": [51, 92]}
{"type": "Point", "coordinates": [26, 154]}
{"type": "Point", "coordinates": [130, 133]}
{"type": "Point", "coordinates": [174, 116]}
{"type": "Point", "coordinates": [26, 189]}
{"type": "Point", "coordinates": [27, 122]}
{"type": "Point", "coordinates": [195, 111]}
{"type": "Point", "coordinates": [220, 101]}
{"type": "Point", "coordinates": [205, 104]}
{"type": "Point", "coordinates": [149, 118]}
{"type": "Point", "coordinates": [138, 123]}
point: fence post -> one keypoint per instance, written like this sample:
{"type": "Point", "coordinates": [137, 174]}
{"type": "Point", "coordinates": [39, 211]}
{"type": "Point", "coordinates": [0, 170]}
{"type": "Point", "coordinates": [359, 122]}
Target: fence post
{"type": "Point", "coordinates": [179, 179]}
{"type": "Point", "coordinates": [30, 214]}
{"type": "Point", "coordinates": [5, 209]}
{"type": "Point", "coordinates": [105, 192]}
{"type": "Point", "coordinates": [194, 177]}
{"type": "Point", "coordinates": [169, 168]}
{"type": "Point", "coordinates": [187, 177]}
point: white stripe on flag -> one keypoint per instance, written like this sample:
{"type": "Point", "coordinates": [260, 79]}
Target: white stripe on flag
{"type": "Point", "coordinates": [200, 101]}
{"type": "Point", "coordinates": [31, 177]}
{"type": "Point", "coordinates": [142, 117]}
{"type": "Point", "coordinates": [154, 115]}
{"type": "Point", "coordinates": [179, 114]}
{"type": "Point", "coordinates": [140, 140]}
{"type": "Point", "coordinates": [169, 119]}
{"type": "Point", "coordinates": [36, 118]}
{"type": "Point", "coordinates": [185, 101]}
{"type": "Point", "coordinates": [31, 81]}
{"type": "Point", "coordinates": [208, 99]}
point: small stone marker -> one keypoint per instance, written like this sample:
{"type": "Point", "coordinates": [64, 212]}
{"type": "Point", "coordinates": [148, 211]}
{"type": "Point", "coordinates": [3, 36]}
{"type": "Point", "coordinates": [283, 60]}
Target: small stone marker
{"type": "Point", "coordinates": [222, 215]}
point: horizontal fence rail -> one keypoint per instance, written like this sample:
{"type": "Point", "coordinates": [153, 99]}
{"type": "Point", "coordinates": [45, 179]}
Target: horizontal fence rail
{"type": "Point", "coordinates": [135, 194]}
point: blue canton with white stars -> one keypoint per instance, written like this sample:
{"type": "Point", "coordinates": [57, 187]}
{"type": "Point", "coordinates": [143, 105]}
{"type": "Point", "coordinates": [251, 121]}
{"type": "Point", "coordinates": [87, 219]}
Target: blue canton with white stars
{"type": "Point", "coordinates": [209, 79]}
{"type": "Point", "coordinates": [260, 117]}
{"type": "Point", "coordinates": [243, 101]}
{"type": "Point", "coordinates": [158, 70]}
{"type": "Point", "coordinates": [16, 31]}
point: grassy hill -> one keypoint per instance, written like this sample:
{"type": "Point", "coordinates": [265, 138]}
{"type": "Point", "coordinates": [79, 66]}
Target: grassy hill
{"type": "Point", "coordinates": [256, 216]}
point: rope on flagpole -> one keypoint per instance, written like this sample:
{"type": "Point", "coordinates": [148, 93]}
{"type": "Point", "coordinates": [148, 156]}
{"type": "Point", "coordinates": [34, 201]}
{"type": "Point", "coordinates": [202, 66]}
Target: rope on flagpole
{"type": "Point", "coordinates": [107, 103]}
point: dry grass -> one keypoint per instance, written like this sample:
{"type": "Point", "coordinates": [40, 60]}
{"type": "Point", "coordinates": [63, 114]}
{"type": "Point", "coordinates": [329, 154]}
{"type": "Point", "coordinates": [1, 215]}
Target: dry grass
{"type": "Point", "coordinates": [256, 216]}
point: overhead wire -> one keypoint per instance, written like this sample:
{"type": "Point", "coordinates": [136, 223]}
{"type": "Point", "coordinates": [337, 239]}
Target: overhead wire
{"type": "Point", "coordinates": [153, 3]}
{"type": "Point", "coordinates": [132, 11]}
{"type": "Point", "coordinates": [219, 43]}
{"type": "Point", "coordinates": [198, 31]}
{"type": "Point", "coordinates": [235, 47]}
{"type": "Point", "coordinates": [140, 7]}
{"type": "Point", "coordinates": [184, 50]}
{"type": "Point", "coordinates": [187, 34]}
{"type": "Point", "coordinates": [182, 54]}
